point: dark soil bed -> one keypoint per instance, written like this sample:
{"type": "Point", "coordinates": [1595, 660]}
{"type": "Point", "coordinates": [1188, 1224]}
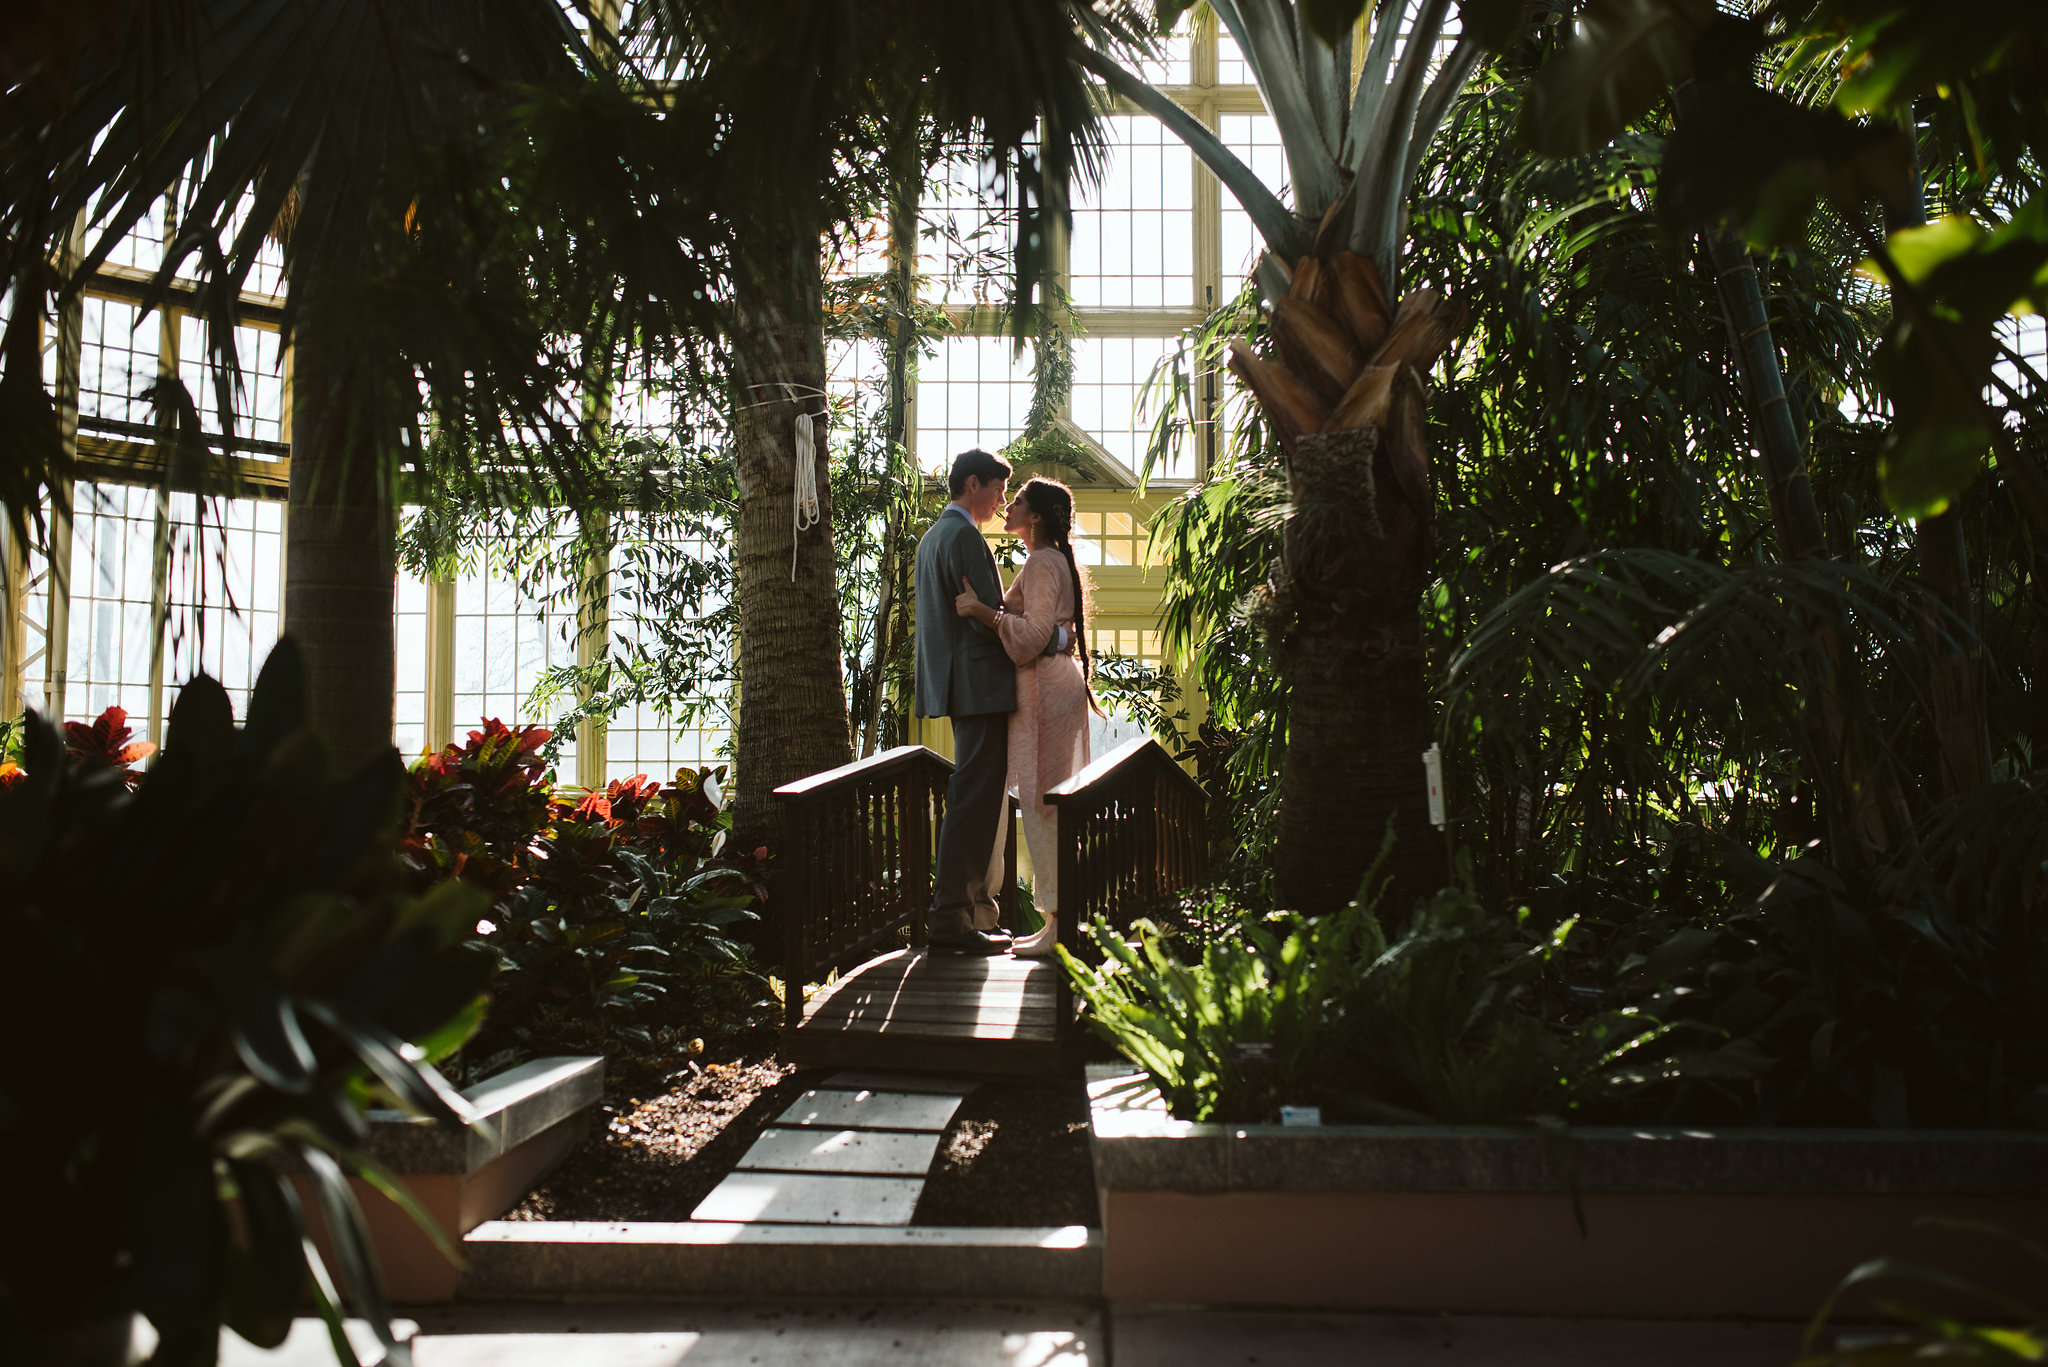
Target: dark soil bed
{"type": "Point", "coordinates": [1015, 1154]}
{"type": "Point", "coordinates": [669, 1137]}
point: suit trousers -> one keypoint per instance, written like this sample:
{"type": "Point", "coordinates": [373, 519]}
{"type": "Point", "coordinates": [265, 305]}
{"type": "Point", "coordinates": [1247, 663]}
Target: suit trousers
{"type": "Point", "coordinates": [969, 878]}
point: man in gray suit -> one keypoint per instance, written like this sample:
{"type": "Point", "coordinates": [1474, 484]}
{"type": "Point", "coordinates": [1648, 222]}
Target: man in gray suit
{"type": "Point", "coordinates": [964, 673]}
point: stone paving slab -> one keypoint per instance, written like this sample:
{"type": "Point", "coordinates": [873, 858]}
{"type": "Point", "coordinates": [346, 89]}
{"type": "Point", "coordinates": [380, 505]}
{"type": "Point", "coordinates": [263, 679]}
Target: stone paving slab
{"type": "Point", "coordinates": [879, 1153]}
{"type": "Point", "coordinates": [811, 1199]}
{"type": "Point", "coordinates": [871, 1110]}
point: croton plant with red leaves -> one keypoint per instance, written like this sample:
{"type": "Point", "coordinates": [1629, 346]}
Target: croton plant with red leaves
{"type": "Point", "coordinates": [598, 900]}
{"type": "Point", "coordinates": [102, 743]}
{"type": "Point", "coordinates": [478, 809]}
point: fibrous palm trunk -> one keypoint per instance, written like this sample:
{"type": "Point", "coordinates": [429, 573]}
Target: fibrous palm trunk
{"type": "Point", "coordinates": [1358, 711]}
{"type": "Point", "coordinates": [340, 553]}
{"type": "Point", "coordinates": [792, 705]}
{"type": "Point", "coordinates": [1346, 398]}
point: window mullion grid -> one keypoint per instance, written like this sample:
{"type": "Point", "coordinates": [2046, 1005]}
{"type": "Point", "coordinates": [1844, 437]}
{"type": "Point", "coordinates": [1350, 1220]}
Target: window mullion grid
{"type": "Point", "coordinates": [169, 320]}
{"type": "Point", "coordinates": [439, 703]}
{"type": "Point", "coordinates": [593, 633]}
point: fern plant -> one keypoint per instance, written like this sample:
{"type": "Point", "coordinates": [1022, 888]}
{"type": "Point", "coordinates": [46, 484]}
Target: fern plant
{"type": "Point", "coordinates": [1433, 1026]}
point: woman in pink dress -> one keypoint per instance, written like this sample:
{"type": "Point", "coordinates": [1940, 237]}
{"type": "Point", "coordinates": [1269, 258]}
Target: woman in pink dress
{"type": "Point", "coordinates": [1043, 625]}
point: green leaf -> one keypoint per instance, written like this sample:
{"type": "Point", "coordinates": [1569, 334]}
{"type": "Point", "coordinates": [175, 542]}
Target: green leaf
{"type": "Point", "coordinates": [1928, 462]}
{"type": "Point", "coordinates": [1677, 954]}
{"type": "Point", "coordinates": [1493, 24]}
{"type": "Point", "coordinates": [1934, 373]}
{"type": "Point", "coordinates": [397, 1065]}
{"type": "Point", "coordinates": [277, 705]}
{"type": "Point", "coordinates": [354, 1254]}
{"type": "Point", "coordinates": [458, 1030]}
{"type": "Point", "coordinates": [1619, 63]}
{"type": "Point", "coordinates": [1330, 20]}
{"type": "Point", "coordinates": [1753, 157]}
{"type": "Point", "coordinates": [202, 721]}
{"type": "Point", "coordinates": [1918, 251]}
{"type": "Point", "coordinates": [266, 1270]}
{"type": "Point", "coordinates": [273, 1046]}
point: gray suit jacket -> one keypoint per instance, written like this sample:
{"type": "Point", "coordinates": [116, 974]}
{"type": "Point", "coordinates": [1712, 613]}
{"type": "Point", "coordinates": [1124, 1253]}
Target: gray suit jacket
{"type": "Point", "coordinates": [962, 668]}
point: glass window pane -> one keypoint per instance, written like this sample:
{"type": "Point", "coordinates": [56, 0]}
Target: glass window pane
{"type": "Point", "coordinates": [658, 599]}
{"type": "Point", "coordinates": [117, 362]}
{"type": "Point", "coordinates": [32, 669]}
{"type": "Point", "coordinates": [1231, 67]}
{"type": "Point", "coordinates": [515, 618]}
{"type": "Point", "coordinates": [1110, 375]}
{"type": "Point", "coordinates": [224, 587]}
{"type": "Point", "coordinates": [113, 550]}
{"type": "Point", "coordinates": [965, 236]}
{"type": "Point", "coordinates": [258, 399]}
{"type": "Point", "coordinates": [1133, 239]}
{"type": "Point", "coordinates": [973, 391]}
{"type": "Point", "coordinates": [1255, 138]}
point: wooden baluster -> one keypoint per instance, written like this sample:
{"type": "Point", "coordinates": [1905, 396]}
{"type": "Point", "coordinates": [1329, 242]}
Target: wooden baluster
{"type": "Point", "coordinates": [1069, 831]}
{"type": "Point", "coordinates": [917, 857]}
{"type": "Point", "coordinates": [797, 916]}
{"type": "Point", "coordinates": [843, 915]}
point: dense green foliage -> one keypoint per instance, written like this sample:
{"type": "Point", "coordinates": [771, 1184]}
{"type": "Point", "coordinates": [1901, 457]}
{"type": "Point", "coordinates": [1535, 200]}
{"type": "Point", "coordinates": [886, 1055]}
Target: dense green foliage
{"type": "Point", "coordinates": [219, 964]}
{"type": "Point", "coordinates": [612, 914]}
{"type": "Point", "coordinates": [1328, 1011]}
{"type": "Point", "coordinates": [1721, 766]}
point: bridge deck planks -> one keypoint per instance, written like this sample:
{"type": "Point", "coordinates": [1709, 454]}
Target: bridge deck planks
{"type": "Point", "coordinates": [909, 1009]}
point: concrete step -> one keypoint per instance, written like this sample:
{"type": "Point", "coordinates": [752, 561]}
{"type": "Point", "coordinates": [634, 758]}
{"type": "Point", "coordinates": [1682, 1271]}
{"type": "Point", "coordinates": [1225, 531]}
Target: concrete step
{"type": "Point", "coordinates": [539, 1260]}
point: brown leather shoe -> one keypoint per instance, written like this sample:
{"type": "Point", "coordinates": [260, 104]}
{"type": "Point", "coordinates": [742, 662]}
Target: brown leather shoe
{"type": "Point", "coordinates": [964, 942]}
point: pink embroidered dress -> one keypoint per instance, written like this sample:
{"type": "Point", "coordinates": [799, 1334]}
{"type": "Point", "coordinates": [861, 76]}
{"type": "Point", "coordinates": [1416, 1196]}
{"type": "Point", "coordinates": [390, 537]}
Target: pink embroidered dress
{"type": "Point", "coordinates": [1049, 729]}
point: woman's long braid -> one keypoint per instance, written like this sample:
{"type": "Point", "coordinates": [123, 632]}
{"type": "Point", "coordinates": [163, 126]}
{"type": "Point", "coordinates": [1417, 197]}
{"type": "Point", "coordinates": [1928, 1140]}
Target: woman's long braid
{"type": "Point", "coordinates": [1058, 512]}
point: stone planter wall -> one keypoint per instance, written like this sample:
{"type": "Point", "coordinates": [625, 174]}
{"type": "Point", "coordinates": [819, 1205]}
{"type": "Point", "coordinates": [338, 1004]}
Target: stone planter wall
{"type": "Point", "coordinates": [531, 1117]}
{"type": "Point", "coordinates": [1752, 1223]}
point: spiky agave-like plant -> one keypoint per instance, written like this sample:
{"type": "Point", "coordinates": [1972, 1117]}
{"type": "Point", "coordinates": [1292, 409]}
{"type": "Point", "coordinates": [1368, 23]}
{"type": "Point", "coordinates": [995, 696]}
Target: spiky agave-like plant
{"type": "Point", "coordinates": [1346, 395]}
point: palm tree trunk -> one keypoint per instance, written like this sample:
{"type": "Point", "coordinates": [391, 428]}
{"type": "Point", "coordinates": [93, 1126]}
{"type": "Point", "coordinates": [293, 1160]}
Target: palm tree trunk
{"type": "Point", "coordinates": [340, 547]}
{"type": "Point", "coordinates": [1357, 556]}
{"type": "Point", "coordinates": [792, 705]}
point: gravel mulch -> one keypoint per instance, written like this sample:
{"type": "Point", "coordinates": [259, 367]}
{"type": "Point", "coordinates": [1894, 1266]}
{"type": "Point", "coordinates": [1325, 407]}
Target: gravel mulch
{"type": "Point", "coordinates": [664, 1148]}
{"type": "Point", "coordinates": [1015, 1154]}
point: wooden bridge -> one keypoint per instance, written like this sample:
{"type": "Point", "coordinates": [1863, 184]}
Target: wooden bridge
{"type": "Point", "coordinates": [857, 879]}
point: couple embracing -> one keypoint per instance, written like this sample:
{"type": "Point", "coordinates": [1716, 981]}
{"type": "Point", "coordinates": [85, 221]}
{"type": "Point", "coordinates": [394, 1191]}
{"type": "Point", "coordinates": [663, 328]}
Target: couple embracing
{"type": "Point", "coordinates": [1011, 670]}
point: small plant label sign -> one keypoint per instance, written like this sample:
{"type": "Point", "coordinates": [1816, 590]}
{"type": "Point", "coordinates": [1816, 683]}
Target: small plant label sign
{"type": "Point", "coordinates": [1301, 1115]}
{"type": "Point", "coordinates": [1251, 1051]}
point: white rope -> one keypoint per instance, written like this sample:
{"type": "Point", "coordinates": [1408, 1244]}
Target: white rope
{"type": "Point", "coordinates": [804, 509]}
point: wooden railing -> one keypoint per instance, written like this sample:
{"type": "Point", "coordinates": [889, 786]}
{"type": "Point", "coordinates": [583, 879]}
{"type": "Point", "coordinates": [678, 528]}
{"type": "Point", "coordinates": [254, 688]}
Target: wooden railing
{"type": "Point", "coordinates": [856, 867]}
{"type": "Point", "coordinates": [1132, 828]}
{"type": "Point", "coordinates": [855, 878]}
